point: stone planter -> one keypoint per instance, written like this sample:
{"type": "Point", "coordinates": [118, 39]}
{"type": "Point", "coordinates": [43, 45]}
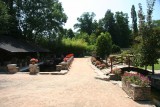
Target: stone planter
{"type": "Point", "coordinates": [136, 92]}
{"type": "Point", "coordinates": [12, 68]}
{"type": "Point", "coordinates": [33, 69]}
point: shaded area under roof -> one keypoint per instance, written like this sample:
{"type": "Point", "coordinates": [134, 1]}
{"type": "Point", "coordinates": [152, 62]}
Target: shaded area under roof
{"type": "Point", "coordinates": [15, 45]}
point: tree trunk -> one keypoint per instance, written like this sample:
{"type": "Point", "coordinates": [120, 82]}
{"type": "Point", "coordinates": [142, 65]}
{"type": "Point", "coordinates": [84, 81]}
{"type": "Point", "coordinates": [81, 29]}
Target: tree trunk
{"type": "Point", "coordinates": [145, 67]}
{"type": "Point", "coordinates": [152, 69]}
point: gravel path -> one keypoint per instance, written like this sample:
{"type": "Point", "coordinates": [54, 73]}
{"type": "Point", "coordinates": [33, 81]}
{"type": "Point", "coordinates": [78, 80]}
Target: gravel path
{"type": "Point", "coordinates": [78, 88]}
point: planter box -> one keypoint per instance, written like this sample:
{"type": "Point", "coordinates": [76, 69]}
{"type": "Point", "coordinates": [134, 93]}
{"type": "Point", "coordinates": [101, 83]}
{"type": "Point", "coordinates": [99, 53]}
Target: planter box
{"type": "Point", "coordinates": [136, 92]}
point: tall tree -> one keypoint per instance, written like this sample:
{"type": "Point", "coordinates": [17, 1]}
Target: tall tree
{"type": "Point", "coordinates": [86, 23]}
{"type": "Point", "coordinates": [70, 33]}
{"type": "Point", "coordinates": [110, 26]}
{"type": "Point", "coordinates": [141, 20]}
{"type": "Point", "coordinates": [43, 18]}
{"type": "Point", "coordinates": [13, 27]}
{"type": "Point", "coordinates": [4, 18]}
{"type": "Point", "coordinates": [150, 39]}
{"type": "Point", "coordinates": [134, 20]}
{"type": "Point", "coordinates": [124, 31]}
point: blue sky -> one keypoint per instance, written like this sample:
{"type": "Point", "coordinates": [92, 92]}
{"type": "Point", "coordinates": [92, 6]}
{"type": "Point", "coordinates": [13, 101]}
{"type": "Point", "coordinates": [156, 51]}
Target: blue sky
{"type": "Point", "coordinates": [75, 8]}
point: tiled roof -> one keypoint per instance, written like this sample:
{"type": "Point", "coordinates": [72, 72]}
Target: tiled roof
{"type": "Point", "coordinates": [15, 45]}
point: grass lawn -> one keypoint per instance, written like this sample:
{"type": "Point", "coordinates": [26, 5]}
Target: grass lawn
{"type": "Point", "coordinates": [156, 66]}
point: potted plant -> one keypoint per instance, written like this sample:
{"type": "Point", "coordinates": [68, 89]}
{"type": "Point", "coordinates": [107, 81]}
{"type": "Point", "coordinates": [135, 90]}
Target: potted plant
{"type": "Point", "coordinates": [136, 86]}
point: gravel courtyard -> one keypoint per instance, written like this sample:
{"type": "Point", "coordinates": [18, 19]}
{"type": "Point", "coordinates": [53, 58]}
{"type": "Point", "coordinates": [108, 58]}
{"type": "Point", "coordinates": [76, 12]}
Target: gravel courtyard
{"type": "Point", "coordinates": [78, 88]}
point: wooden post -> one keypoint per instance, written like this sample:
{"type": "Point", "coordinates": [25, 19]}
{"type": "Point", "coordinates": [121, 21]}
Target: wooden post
{"type": "Point", "coordinates": [111, 63]}
{"type": "Point", "coordinates": [129, 61]}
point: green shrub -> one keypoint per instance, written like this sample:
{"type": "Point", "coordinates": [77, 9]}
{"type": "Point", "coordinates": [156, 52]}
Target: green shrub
{"type": "Point", "coordinates": [104, 45]}
{"type": "Point", "coordinates": [76, 46]}
{"type": "Point", "coordinates": [115, 49]}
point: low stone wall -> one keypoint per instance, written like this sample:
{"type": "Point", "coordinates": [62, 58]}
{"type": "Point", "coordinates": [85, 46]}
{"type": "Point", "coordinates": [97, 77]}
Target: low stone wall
{"type": "Point", "coordinates": [136, 92]}
{"type": "Point", "coordinates": [65, 65]}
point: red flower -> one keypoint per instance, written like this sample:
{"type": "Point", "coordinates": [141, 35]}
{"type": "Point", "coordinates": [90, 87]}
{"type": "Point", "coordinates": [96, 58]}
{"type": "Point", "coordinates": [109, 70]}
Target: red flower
{"type": "Point", "coordinates": [34, 60]}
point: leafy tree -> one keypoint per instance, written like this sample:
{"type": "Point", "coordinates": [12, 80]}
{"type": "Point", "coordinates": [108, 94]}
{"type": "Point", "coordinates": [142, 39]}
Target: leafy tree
{"type": "Point", "coordinates": [149, 51]}
{"type": "Point", "coordinates": [156, 23]}
{"type": "Point", "coordinates": [104, 45]}
{"type": "Point", "coordinates": [110, 26]}
{"type": "Point", "coordinates": [134, 20]}
{"type": "Point", "coordinates": [124, 31]}
{"type": "Point", "coordinates": [86, 23]}
{"type": "Point", "coordinates": [13, 27]}
{"type": "Point", "coordinates": [70, 33]}
{"type": "Point", "coordinates": [4, 18]}
{"type": "Point", "coordinates": [99, 27]}
{"type": "Point", "coordinates": [43, 18]}
{"type": "Point", "coordinates": [150, 37]}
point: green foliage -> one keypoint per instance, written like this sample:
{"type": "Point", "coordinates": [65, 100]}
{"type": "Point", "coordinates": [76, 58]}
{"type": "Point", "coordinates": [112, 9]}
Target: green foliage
{"type": "Point", "coordinates": [156, 66]}
{"type": "Point", "coordinates": [104, 45]}
{"type": "Point", "coordinates": [4, 18]}
{"type": "Point", "coordinates": [83, 36]}
{"type": "Point", "coordinates": [110, 26]}
{"type": "Point", "coordinates": [115, 49]}
{"type": "Point", "coordinates": [75, 46]}
{"type": "Point", "coordinates": [92, 39]}
{"type": "Point", "coordinates": [70, 33]}
{"type": "Point", "coordinates": [117, 26]}
{"type": "Point", "coordinates": [13, 28]}
{"type": "Point", "coordinates": [86, 23]}
{"type": "Point", "coordinates": [40, 19]}
{"type": "Point", "coordinates": [148, 46]}
{"type": "Point", "coordinates": [156, 24]}
{"type": "Point", "coordinates": [136, 79]}
{"type": "Point", "coordinates": [134, 20]}
{"type": "Point", "coordinates": [124, 31]}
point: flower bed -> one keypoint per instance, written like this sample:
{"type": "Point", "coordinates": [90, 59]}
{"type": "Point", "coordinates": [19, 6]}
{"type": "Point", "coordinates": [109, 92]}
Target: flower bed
{"type": "Point", "coordinates": [136, 86]}
{"type": "Point", "coordinates": [68, 56]}
{"type": "Point", "coordinates": [98, 63]}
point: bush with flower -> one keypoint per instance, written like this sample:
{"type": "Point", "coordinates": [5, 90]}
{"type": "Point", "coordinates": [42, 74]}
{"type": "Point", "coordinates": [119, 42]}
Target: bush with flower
{"type": "Point", "coordinates": [137, 79]}
{"type": "Point", "coordinates": [117, 73]}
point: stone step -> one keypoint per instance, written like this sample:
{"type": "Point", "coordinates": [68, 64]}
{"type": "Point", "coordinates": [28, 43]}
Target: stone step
{"type": "Point", "coordinates": [62, 72]}
{"type": "Point", "coordinates": [103, 77]}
